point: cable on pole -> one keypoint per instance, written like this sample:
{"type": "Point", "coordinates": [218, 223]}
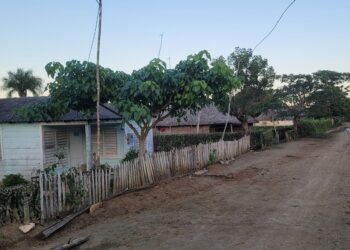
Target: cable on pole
{"type": "Point", "coordinates": [94, 35]}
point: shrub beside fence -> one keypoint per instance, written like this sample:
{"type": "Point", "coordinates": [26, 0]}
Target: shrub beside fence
{"type": "Point", "coordinates": [314, 127]}
{"type": "Point", "coordinates": [66, 192]}
{"type": "Point", "coordinates": [19, 203]}
{"type": "Point", "coordinates": [169, 142]}
{"type": "Point", "coordinates": [261, 139]}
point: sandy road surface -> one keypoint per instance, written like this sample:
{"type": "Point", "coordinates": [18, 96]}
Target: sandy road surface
{"type": "Point", "coordinates": [293, 196]}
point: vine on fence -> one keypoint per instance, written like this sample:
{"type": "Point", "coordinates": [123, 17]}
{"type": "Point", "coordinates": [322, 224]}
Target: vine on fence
{"type": "Point", "coordinates": [76, 192]}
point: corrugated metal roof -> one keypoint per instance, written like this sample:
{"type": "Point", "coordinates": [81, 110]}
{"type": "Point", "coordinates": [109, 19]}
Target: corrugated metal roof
{"type": "Point", "coordinates": [9, 105]}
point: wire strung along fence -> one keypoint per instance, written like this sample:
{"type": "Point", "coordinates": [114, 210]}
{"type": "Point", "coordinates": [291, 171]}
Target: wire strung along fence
{"type": "Point", "coordinates": [63, 193]}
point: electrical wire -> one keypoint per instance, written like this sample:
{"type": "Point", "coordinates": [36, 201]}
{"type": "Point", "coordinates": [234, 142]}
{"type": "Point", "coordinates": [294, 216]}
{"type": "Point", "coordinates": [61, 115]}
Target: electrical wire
{"type": "Point", "coordinates": [93, 37]}
{"type": "Point", "coordinates": [274, 27]}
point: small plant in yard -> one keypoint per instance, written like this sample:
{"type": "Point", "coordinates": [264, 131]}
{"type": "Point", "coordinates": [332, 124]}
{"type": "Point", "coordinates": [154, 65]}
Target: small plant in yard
{"type": "Point", "coordinates": [76, 192]}
{"type": "Point", "coordinates": [213, 158]}
{"type": "Point", "coordinates": [51, 169]}
{"type": "Point", "coordinates": [131, 155]}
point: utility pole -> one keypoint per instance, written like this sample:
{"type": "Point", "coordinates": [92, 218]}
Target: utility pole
{"type": "Point", "coordinates": [161, 43]}
{"type": "Point", "coordinates": [98, 83]}
{"type": "Point", "coordinates": [169, 65]}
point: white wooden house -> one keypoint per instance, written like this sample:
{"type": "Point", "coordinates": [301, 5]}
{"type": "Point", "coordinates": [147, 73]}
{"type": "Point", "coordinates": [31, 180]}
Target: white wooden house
{"type": "Point", "coordinates": [26, 146]}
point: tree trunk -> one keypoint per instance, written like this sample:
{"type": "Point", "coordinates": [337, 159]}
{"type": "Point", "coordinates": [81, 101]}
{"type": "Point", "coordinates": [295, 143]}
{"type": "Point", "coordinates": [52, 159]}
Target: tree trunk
{"type": "Point", "coordinates": [245, 127]}
{"type": "Point", "coordinates": [142, 150]}
{"type": "Point", "coordinates": [22, 93]}
{"type": "Point", "coordinates": [198, 120]}
{"type": "Point", "coordinates": [277, 137]}
{"type": "Point", "coordinates": [295, 124]}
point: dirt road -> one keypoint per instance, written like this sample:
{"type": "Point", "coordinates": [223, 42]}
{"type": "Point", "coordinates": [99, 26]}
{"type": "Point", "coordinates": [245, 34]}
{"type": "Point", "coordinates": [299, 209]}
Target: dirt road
{"type": "Point", "coordinates": [293, 196]}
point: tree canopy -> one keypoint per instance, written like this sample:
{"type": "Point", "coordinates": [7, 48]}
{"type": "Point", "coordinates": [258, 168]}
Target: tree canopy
{"type": "Point", "coordinates": [256, 78]}
{"type": "Point", "coordinates": [146, 96]}
{"type": "Point", "coordinates": [317, 95]}
{"type": "Point", "coordinates": [21, 81]}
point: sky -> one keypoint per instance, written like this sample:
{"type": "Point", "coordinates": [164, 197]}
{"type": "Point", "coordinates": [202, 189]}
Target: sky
{"type": "Point", "coordinates": [313, 34]}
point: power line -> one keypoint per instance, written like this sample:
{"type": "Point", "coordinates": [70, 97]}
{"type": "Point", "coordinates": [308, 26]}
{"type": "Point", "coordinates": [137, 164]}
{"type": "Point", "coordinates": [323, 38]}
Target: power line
{"type": "Point", "coordinates": [94, 35]}
{"type": "Point", "coordinates": [274, 27]}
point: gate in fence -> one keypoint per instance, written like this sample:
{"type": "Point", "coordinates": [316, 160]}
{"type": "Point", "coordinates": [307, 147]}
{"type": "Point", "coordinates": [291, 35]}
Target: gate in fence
{"type": "Point", "coordinates": [74, 189]}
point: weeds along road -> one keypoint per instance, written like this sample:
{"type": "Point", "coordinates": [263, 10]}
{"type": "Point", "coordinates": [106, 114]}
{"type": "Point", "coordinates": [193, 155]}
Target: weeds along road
{"type": "Point", "coordinates": [293, 196]}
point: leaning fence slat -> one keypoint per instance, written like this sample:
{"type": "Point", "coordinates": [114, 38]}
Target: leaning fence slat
{"type": "Point", "coordinates": [59, 190]}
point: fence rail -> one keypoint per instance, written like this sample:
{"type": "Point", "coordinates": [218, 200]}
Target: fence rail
{"type": "Point", "coordinates": [63, 193]}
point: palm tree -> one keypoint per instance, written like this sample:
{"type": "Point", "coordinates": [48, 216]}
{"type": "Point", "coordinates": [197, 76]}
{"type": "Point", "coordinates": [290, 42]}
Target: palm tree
{"type": "Point", "coordinates": [21, 82]}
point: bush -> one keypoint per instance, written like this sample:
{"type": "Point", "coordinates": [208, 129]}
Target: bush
{"type": "Point", "coordinates": [213, 158]}
{"type": "Point", "coordinates": [13, 180]}
{"type": "Point", "coordinates": [169, 142]}
{"type": "Point", "coordinates": [261, 138]}
{"type": "Point", "coordinates": [314, 127]}
{"type": "Point", "coordinates": [130, 155]}
{"type": "Point", "coordinates": [338, 121]}
{"type": "Point", "coordinates": [282, 131]}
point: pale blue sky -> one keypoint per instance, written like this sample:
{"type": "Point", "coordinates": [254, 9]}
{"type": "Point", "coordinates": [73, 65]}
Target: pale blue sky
{"type": "Point", "coordinates": [313, 35]}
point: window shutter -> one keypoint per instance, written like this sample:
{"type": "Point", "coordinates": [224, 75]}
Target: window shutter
{"type": "Point", "coordinates": [55, 142]}
{"type": "Point", "coordinates": [49, 147]}
{"type": "Point", "coordinates": [108, 141]}
{"type": "Point", "coordinates": [62, 145]}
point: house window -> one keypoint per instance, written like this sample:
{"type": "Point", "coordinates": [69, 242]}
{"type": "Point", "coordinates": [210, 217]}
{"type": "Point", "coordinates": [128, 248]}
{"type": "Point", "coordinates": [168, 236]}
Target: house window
{"type": "Point", "coordinates": [131, 140]}
{"type": "Point", "coordinates": [108, 141]}
{"type": "Point", "coordinates": [55, 146]}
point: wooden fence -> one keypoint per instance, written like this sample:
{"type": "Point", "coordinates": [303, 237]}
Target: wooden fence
{"type": "Point", "coordinates": [72, 190]}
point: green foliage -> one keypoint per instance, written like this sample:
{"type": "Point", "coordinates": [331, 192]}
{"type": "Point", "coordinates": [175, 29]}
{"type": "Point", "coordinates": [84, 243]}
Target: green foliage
{"type": "Point", "coordinates": [329, 101]}
{"type": "Point", "coordinates": [15, 201]}
{"type": "Point", "coordinates": [169, 142]}
{"type": "Point", "coordinates": [318, 95]}
{"type": "Point", "coordinates": [75, 193]}
{"type": "Point", "coordinates": [294, 97]}
{"type": "Point", "coordinates": [74, 86]}
{"type": "Point", "coordinates": [314, 127]}
{"type": "Point", "coordinates": [52, 168]}
{"type": "Point", "coordinates": [256, 79]}
{"type": "Point", "coordinates": [280, 130]}
{"type": "Point", "coordinates": [146, 96]}
{"type": "Point", "coordinates": [338, 120]}
{"type": "Point", "coordinates": [13, 180]}
{"type": "Point", "coordinates": [213, 157]}
{"type": "Point", "coordinates": [21, 82]}
{"type": "Point", "coordinates": [261, 138]}
{"type": "Point", "coordinates": [130, 155]}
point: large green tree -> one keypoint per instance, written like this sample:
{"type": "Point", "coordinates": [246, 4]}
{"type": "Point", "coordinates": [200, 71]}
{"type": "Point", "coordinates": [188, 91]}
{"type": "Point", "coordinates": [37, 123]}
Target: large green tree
{"type": "Point", "coordinates": [330, 96]}
{"type": "Point", "coordinates": [155, 92]}
{"type": "Point", "coordinates": [256, 77]}
{"type": "Point", "coordinates": [293, 99]}
{"type": "Point", "coordinates": [143, 98]}
{"type": "Point", "coordinates": [21, 82]}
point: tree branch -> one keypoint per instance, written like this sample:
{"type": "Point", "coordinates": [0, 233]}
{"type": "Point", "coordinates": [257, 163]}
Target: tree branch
{"type": "Point", "coordinates": [133, 129]}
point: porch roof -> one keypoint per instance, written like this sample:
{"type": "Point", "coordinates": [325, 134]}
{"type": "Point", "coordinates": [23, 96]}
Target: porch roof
{"type": "Point", "coordinates": [8, 107]}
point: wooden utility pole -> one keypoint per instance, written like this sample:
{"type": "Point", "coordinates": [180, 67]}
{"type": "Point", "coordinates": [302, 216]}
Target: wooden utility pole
{"type": "Point", "coordinates": [98, 83]}
{"type": "Point", "coordinates": [161, 43]}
